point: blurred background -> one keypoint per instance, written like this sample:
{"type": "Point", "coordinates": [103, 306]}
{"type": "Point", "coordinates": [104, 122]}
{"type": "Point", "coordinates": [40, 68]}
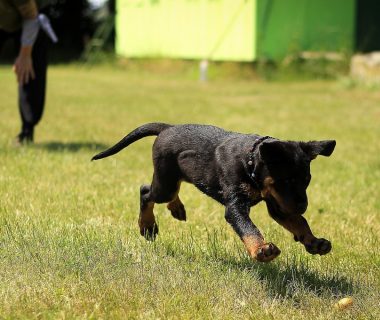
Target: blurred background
{"type": "Point", "coordinates": [75, 23]}
{"type": "Point", "coordinates": [270, 32]}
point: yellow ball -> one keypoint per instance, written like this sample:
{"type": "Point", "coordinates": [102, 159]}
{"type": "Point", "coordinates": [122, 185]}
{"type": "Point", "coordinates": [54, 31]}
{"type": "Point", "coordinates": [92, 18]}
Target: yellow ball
{"type": "Point", "coordinates": [344, 303]}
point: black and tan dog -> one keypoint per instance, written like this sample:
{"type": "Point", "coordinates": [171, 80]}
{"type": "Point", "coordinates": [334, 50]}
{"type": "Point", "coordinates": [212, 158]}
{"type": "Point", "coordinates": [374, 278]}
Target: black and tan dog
{"type": "Point", "coordinates": [237, 170]}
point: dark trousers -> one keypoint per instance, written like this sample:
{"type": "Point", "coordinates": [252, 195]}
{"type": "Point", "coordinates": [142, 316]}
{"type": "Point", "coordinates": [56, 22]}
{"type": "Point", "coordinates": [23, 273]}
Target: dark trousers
{"type": "Point", "coordinates": [31, 96]}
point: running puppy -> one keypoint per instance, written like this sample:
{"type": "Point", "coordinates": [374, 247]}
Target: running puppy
{"type": "Point", "coordinates": [238, 170]}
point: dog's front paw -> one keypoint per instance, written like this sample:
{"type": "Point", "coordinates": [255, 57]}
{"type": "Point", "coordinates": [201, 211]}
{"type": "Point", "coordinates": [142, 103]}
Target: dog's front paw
{"type": "Point", "coordinates": [267, 252]}
{"type": "Point", "coordinates": [148, 231]}
{"type": "Point", "coordinates": [318, 246]}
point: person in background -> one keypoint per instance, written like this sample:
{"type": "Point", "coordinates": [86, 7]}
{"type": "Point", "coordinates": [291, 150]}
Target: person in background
{"type": "Point", "coordinates": [20, 19]}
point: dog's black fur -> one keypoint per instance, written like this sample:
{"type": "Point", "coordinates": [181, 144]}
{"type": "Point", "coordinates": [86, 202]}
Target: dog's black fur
{"type": "Point", "coordinates": [237, 170]}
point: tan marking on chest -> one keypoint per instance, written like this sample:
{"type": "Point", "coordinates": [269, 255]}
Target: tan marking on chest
{"type": "Point", "coordinates": [250, 191]}
{"type": "Point", "coordinates": [269, 190]}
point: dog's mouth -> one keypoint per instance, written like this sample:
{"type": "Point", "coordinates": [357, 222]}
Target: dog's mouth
{"type": "Point", "coordinates": [284, 202]}
{"type": "Point", "coordinates": [279, 206]}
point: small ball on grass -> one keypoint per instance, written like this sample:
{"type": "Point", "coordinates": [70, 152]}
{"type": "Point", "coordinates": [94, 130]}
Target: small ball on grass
{"type": "Point", "coordinates": [344, 303]}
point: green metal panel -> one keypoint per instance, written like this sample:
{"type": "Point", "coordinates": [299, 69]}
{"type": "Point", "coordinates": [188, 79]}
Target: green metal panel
{"type": "Point", "coordinates": [195, 29]}
{"type": "Point", "coordinates": [240, 30]}
{"type": "Point", "coordinates": [289, 26]}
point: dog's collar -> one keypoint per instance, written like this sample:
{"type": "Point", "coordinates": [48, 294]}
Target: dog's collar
{"type": "Point", "coordinates": [251, 163]}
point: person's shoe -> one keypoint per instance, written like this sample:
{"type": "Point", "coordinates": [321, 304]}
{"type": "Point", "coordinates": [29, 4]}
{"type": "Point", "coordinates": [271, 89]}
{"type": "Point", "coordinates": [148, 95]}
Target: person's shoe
{"type": "Point", "coordinates": [23, 139]}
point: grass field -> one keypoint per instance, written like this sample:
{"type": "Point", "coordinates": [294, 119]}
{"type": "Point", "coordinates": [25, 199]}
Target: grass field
{"type": "Point", "coordinates": [69, 242]}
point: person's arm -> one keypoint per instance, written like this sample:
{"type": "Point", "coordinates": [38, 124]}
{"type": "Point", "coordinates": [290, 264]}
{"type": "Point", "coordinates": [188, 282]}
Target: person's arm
{"type": "Point", "coordinates": [23, 66]}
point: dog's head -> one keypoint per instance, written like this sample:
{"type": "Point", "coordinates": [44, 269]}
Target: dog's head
{"type": "Point", "coordinates": [285, 173]}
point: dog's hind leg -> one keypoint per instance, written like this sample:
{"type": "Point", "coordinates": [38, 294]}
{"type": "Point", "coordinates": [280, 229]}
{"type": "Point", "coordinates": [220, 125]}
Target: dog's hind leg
{"type": "Point", "coordinates": [164, 189]}
{"type": "Point", "coordinates": [147, 221]}
{"type": "Point", "coordinates": [177, 208]}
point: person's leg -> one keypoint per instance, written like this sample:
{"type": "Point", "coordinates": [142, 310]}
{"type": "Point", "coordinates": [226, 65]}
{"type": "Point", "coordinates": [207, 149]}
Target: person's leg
{"type": "Point", "coordinates": [32, 94]}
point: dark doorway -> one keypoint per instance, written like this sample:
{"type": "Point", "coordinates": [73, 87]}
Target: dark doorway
{"type": "Point", "coordinates": [368, 25]}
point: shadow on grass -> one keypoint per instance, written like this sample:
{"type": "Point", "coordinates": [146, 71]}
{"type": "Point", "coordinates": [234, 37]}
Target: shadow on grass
{"type": "Point", "coordinates": [288, 280]}
{"type": "Point", "coordinates": [56, 146]}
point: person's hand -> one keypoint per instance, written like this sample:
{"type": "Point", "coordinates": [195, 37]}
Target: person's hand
{"type": "Point", "coordinates": [23, 66]}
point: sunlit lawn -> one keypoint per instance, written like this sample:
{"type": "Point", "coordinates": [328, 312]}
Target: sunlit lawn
{"type": "Point", "coordinates": [69, 242]}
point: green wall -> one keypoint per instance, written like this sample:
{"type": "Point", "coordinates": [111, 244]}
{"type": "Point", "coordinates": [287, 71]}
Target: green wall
{"type": "Point", "coordinates": [237, 30]}
{"type": "Point", "coordinates": [194, 29]}
{"type": "Point", "coordinates": [289, 26]}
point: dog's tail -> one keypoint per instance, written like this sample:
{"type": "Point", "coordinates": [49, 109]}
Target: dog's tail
{"type": "Point", "coordinates": [149, 129]}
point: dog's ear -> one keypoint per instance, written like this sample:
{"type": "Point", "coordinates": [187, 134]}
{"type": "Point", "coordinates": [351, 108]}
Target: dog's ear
{"type": "Point", "coordinates": [272, 151]}
{"type": "Point", "coordinates": [316, 148]}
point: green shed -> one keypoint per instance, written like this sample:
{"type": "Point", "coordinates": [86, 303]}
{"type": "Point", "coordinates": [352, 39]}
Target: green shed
{"type": "Point", "coordinates": [233, 30]}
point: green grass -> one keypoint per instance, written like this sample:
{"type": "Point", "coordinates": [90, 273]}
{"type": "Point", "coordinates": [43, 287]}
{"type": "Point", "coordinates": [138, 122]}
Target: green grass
{"type": "Point", "coordinates": [69, 242]}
